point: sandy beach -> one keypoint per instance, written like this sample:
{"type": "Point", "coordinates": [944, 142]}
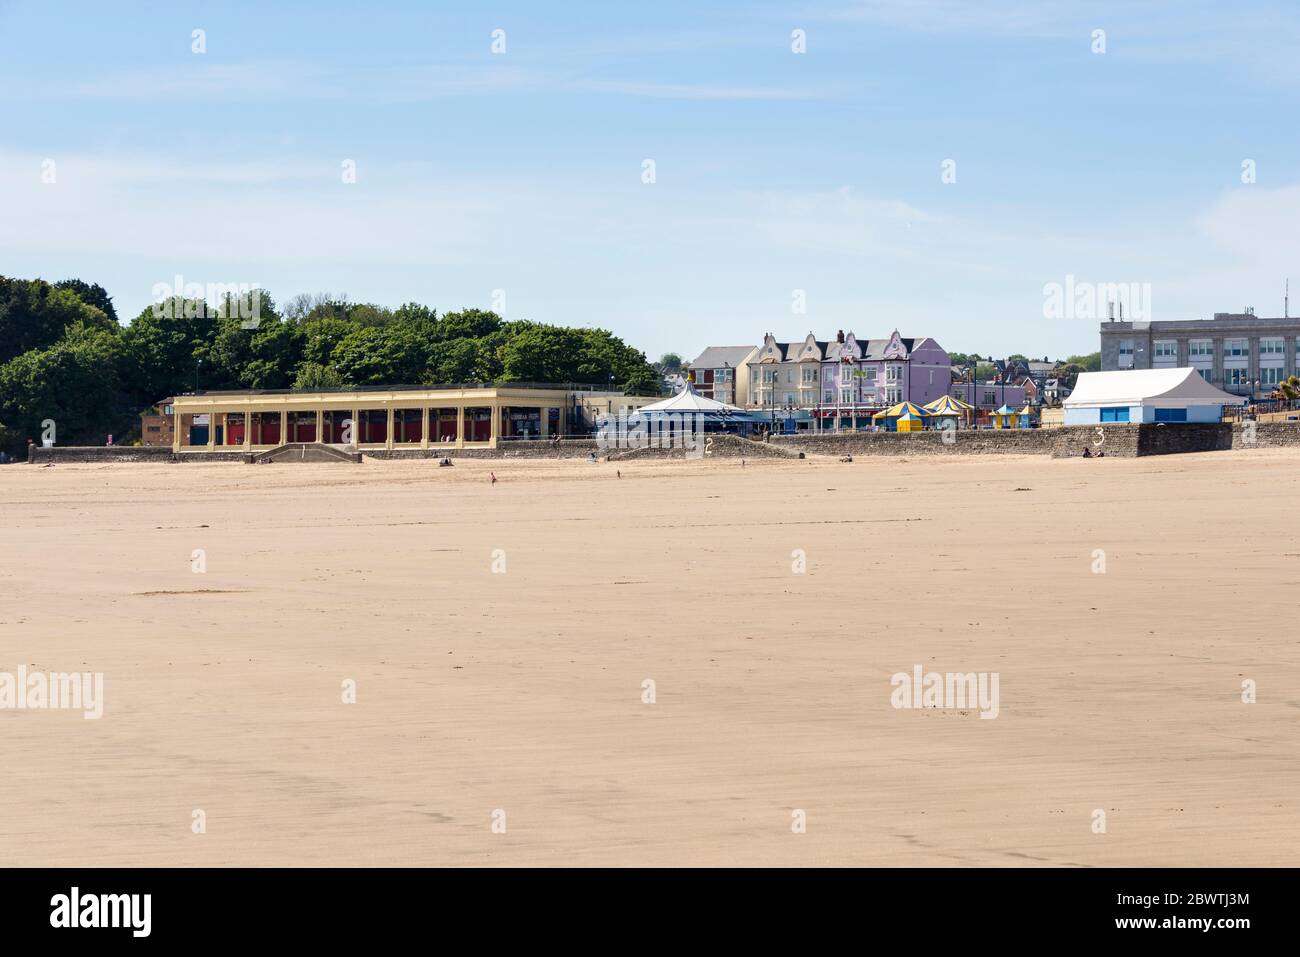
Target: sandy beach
{"type": "Point", "coordinates": [499, 638]}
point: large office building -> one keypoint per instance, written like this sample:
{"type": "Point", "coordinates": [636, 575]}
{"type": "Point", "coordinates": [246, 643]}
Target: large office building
{"type": "Point", "coordinates": [1240, 353]}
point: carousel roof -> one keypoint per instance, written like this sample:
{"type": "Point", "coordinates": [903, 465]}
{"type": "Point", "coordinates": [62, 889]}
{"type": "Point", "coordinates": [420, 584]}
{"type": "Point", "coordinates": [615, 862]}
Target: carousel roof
{"type": "Point", "coordinates": [690, 401]}
{"type": "Point", "coordinates": [903, 408]}
{"type": "Point", "coordinates": [948, 405]}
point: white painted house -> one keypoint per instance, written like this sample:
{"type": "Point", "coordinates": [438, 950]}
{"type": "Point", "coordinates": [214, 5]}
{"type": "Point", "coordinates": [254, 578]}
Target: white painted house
{"type": "Point", "coordinates": [1146, 395]}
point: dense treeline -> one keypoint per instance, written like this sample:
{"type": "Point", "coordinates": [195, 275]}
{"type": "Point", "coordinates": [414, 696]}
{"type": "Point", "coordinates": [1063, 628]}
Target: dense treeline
{"type": "Point", "coordinates": [64, 356]}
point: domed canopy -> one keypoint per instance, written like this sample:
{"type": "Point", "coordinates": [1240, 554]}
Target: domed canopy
{"type": "Point", "coordinates": [690, 401]}
{"type": "Point", "coordinates": [948, 405]}
{"type": "Point", "coordinates": [903, 408]}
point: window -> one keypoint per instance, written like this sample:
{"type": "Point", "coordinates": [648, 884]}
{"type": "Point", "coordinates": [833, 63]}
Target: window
{"type": "Point", "coordinates": [1115, 414]}
{"type": "Point", "coordinates": [789, 398]}
{"type": "Point", "coordinates": [1171, 415]}
{"type": "Point", "coordinates": [870, 375]}
{"type": "Point", "coordinates": [828, 398]}
{"type": "Point", "coordinates": [1270, 347]}
{"type": "Point", "coordinates": [1201, 348]}
{"type": "Point", "coordinates": [1126, 352]}
{"type": "Point", "coordinates": [846, 373]}
{"type": "Point", "coordinates": [1167, 349]}
{"type": "Point", "coordinates": [167, 410]}
{"type": "Point", "coordinates": [1235, 348]}
{"type": "Point", "coordinates": [809, 375]}
{"type": "Point", "coordinates": [1236, 377]}
{"type": "Point", "coordinates": [1271, 375]}
{"type": "Point", "coordinates": [722, 375]}
{"type": "Point", "coordinates": [846, 396]}
{"type": "Point", "coordinates": [990, 398]}
{"type": "Point", "coordinates": [155, 428]}
{"type": "Point", "coordinates": [893, 373]}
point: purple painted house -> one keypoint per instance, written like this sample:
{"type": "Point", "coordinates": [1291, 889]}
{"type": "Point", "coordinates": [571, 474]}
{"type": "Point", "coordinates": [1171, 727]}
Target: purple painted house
{"type": "Point", "coordinates": [862, 376]}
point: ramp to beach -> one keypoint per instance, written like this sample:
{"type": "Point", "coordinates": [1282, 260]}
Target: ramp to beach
{"type": "Point", "coordinates": [305, 452]}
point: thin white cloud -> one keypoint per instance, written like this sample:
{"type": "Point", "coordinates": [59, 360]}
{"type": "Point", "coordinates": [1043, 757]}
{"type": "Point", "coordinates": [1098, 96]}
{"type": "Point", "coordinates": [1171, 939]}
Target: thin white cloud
{"type": "Point", "coordinates": [286, 81]}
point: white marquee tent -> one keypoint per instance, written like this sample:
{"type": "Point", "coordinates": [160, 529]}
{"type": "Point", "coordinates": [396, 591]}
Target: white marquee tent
{"type": "Point", "coordinates": [1146, 395]}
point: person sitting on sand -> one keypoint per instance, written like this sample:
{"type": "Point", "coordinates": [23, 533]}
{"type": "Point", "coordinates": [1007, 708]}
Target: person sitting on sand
{"type": "Point", "coordinates": [1087, 452]}
{"type": "Point", "coordinates": [847, 458]}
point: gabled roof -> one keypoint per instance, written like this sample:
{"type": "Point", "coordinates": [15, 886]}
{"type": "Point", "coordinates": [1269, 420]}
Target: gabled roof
{"type": "Point", "coordinates": [715, 357]}
{"type": "Point", "coordinates": [793, 351]}
{"type": "Point", "coordinates": [1160, 388]}
{"type": "Point", "coordinates": [875, 348]}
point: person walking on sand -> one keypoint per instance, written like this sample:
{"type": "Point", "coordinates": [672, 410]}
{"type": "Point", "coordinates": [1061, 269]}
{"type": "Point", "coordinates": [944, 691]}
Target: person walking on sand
{"type": "Point", "coordinates": [494, 477]}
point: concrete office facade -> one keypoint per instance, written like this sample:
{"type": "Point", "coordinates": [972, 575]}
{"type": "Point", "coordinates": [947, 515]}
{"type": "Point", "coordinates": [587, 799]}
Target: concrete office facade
{"type": "Point", "coordinates": [1241, 353]}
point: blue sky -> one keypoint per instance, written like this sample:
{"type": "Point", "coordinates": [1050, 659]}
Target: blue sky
{"type": "Point", "coordinates": [775, 171]}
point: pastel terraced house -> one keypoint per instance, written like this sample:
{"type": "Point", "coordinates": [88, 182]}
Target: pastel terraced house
{"type": "Point", "coordinates": [814, 384]}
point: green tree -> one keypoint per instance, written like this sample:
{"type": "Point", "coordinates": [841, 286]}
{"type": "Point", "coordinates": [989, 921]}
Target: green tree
{"type": "Point", "coordinates": [74, 382]}
{"type": "Point", "coordinates": [467, 324]}
{"type": "Point", "coordinates": [314, 377]}
{"type": "Point", "coordinates": [162, 346]}
{"type": "Point", "coordinates": [92, 294]}
{"type": "Point", "coordinates": [669, 363]}
{"type": "Point", "coordinates": [1091, 362]}
{"type": "Point", "coordinates": [34, 315]}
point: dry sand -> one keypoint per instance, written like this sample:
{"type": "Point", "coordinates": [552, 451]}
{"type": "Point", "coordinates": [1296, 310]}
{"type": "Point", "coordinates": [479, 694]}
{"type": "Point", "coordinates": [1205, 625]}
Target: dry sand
{"type": "Point", "coordinates": [522, 691]}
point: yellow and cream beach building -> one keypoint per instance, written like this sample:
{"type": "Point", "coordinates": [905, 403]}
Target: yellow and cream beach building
{"type": "Point", "coordinates": [413, 418]}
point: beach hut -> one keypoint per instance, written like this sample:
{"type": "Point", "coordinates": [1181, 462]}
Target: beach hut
{"type": "Point", "coordinates": [1005, 418]}
{"type": "Point", "coordinates": [891, 417]}
{"type": "Point", "coordinates": [948, 412]}
{"type": "Point", "coordinates": [1027, 416]}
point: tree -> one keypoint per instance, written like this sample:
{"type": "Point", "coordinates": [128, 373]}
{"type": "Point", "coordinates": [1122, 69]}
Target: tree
{"type": "Point", "coordinates": [162, 345]}
{"type": "Point", "coordinates": [669, 363]}
{"type": "Point", "coordinates": [1068, 374]}
{"type": "Point", "coordinates": [75, 383]}
{"type": "Point", "coordinates": [1090, 362]}
{"type": "Point", "coordinates": [314, 377]}
{"type": "Point", "coordinates": [34, 315]}
{"type": "Point", "coordinates": [467, 324]}
{"type": "Point", "coordinates": [92, 295]}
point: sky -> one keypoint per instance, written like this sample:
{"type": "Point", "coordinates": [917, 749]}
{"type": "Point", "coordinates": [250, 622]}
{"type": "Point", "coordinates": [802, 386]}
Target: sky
{"type": "Point", "coordinates": [930, 166]}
